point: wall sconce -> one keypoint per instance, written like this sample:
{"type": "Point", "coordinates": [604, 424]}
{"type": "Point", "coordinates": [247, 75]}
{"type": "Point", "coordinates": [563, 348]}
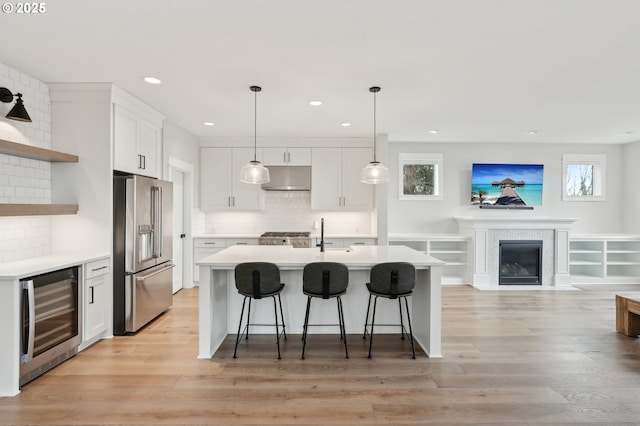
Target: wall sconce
{"type": "Point", "coordinates": [18, 112]}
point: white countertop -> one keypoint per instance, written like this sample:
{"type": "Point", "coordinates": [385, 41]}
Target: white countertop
{"type": "Point", "coordinates": [39, 265]}
{"type": "Point", "coordinates": [294, 258]}
{"type": "Point", "coordinates": [314, 234]}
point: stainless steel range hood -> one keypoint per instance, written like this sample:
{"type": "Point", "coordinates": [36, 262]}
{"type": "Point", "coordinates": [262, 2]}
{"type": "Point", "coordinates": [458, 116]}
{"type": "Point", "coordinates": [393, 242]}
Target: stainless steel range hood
{"type": "Point", "coordinates": [288, 178]}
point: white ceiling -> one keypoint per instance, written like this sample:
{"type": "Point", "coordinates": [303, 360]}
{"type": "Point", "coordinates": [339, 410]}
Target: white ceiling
{"type": "Point", "coordinates": [475, 70]}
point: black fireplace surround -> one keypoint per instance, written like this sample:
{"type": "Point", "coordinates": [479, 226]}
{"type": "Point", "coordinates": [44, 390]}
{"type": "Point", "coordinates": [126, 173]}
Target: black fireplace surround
{"type": "Point", "coordinates": [520, 262]}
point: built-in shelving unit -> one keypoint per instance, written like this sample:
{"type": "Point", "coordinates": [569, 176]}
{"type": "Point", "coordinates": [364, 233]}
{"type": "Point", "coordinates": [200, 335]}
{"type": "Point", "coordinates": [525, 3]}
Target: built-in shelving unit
{"type": "Point", "coordinates": [35, 153]}
{"type": "Point", "coordinates": [451, 249]}
{"type": "Point", "coordinates": [600, 259]}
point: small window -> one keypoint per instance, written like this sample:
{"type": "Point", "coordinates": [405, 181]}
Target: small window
{"type": "Point", "coordinates": [420, 176]}
{"type": "Point", "coordinates": [583, 177]}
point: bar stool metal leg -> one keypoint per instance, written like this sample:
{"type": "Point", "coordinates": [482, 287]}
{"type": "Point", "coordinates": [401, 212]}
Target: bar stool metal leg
{"type": "Point", "coordinates": [306, 325]}
{"type": "Point", "coordinates": [235, 351]}
{"type": "Point", "coordinates": [343, 331]}
{"type": "Point", "coordinates": [413, 350]}
{"type": "Point", "coordinates": [401, 321]}
{"type": "Point", "coordinates": [248, 319]}
{"type": "Point", "coordinates": [284, 327]}
{"type": "Point", "coordinates": [275, 311]}
{"type": "Point", "coordinates": [373, 320]}
{"type": "Point", "coordinates": [366, 320]}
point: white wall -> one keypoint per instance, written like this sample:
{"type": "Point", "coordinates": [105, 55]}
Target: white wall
{"type": "Point", "coordinates": [180, 144]}
{"type": "Point", "coordinates": [437, 216]}
{"type": "Point", "coordinates": [23, 180]}
{"type": "Point", "coordinates": [631, 203]}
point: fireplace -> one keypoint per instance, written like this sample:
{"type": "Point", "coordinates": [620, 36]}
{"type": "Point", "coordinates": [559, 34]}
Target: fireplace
{"type": "Point", "coordinates": [520, 262]}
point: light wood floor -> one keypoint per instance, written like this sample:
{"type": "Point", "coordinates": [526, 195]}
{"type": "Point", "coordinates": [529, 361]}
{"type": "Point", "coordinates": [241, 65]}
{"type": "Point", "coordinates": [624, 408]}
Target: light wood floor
{"type": "Point", "coordinates": [510, 357]}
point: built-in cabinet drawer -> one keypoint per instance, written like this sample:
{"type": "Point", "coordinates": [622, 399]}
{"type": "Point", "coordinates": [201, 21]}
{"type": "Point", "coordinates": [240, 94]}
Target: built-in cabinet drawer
{"type": "Point", "coordinates": [96, 268]}
{"type": "Point", "coordinates": [209, 243]}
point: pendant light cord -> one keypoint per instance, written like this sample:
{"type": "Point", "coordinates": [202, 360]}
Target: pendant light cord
{"type": "Point", "coordinates": [374, 127]}
{"type": "Point", "coordinates": [255, 124]}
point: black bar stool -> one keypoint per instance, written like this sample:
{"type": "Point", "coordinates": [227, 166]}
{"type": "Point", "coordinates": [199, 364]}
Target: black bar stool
{"type": "Point", "coordinates": [326, 280]}
{"type": "Point", "coordinates": [255, 280]}
{"type": "Point", "coordinates": [391, 280]}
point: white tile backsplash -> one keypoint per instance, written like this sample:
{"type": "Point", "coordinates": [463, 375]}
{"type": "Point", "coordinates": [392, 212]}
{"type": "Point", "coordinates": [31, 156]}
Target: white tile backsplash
{"type": "Point", "coordinates": [289, 211]}
{"type": "Point", "coordinates": [22, 180]}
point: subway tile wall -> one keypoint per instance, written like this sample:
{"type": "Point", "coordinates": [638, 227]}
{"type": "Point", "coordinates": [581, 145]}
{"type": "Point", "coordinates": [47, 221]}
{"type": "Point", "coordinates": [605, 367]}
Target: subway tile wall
{"type": "Point", "coordinates": [23, 180]}
{"type": "Point", "coordinates": [289, 211]}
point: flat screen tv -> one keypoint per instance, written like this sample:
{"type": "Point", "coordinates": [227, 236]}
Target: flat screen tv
{"type": "Point", "coordinates": [506, 185]}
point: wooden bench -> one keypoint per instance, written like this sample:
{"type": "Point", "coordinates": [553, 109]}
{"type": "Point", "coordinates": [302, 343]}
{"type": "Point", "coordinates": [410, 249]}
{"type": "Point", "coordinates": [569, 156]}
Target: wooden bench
{"type": "Point", "coordinates": [627, 315]}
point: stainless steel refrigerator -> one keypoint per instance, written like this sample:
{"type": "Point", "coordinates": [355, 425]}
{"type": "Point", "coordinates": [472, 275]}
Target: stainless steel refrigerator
{"type": "Point", "coordinates": [142, 249]}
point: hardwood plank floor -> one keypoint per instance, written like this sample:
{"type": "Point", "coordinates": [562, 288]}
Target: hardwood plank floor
{"type": "Point", "coordinates": [510, 357]}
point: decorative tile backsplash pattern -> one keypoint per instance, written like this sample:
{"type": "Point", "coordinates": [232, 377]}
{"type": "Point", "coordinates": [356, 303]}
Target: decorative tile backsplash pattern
{"type": "Point", "coordinates": [24, 180]}
{"type": "Point", "coordinates": [289, 211]}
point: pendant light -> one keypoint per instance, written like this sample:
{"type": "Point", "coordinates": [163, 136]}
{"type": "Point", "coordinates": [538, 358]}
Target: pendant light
{"type": "Point", "coordinates": [374, 172]}
{"type": "Point", "coordinates": [254, 172]}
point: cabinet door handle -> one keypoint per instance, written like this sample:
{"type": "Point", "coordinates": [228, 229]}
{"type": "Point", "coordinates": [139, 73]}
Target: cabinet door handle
{"type": "Point", "coordinates": [91, 295]}
{"type": "Point", "coordinates": [144, 162]}
{"type": "Point", "coordinates": [358, 243]}
{"type": "Point", "coordinates": [98, 269]}
{"type": "Point", "coordinates": [139, 161]}
{"type": "Point", "coordinates": [284, 157]}
{"type": "Point", "coordinates": [288, 157]}
{"type": "Point", "coordinates": [210, 243]}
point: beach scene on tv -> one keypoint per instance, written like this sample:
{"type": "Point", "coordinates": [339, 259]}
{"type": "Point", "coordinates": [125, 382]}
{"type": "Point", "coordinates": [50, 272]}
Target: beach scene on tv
{"type": "Point", "coordinates": [507, 184]}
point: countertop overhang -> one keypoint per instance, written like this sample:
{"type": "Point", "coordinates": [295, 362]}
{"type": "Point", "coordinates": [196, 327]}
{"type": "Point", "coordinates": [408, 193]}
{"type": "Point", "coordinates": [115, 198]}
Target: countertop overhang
{"type": "Point", "coordinates": [288, 257]}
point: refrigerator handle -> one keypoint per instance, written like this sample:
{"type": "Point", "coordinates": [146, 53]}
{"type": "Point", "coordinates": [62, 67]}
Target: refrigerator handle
{"type": "Point", "coordinates": [156, 193]}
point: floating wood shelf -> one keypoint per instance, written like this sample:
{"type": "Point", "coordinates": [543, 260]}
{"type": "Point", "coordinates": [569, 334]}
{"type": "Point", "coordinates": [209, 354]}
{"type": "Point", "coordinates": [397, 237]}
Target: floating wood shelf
{"type": "Point", "coordinates": [37, 209]}
{"type": "Point", "coordinates": [35, 153]}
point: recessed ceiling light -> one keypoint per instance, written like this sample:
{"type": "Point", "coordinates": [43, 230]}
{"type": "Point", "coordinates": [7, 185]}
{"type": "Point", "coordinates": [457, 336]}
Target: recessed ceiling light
{"type": "Point", "coordinates": [435, 132]}
{"type": "Point", "coordinates": [152, 80]}
{"type": "Point", "coordinates": [209, 123]}
{"type": "Point", "coordinates": [315, 103]}
{"type": "Point", "coordinates": [534, 132]}
{"type": "Point", "coordinates": [345, 124]}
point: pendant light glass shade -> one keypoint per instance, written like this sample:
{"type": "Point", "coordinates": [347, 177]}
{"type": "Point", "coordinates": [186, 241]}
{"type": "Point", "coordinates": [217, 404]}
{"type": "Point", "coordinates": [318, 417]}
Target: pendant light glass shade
{"type": "Point", "coordinates": [374, 172]}
{"type": "Point", "coordinates": [254, 172]}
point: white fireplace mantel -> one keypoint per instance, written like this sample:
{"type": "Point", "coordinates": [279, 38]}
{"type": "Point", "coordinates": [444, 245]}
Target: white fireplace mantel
{"type": "Point", "coordinates": [485, 233]}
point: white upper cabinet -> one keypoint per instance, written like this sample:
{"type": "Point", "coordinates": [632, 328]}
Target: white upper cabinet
{"type": "Point", "coordinates": [287, 156]}
{"type": "Point", "coordinates": [220, 186]}
{"type": "Point", "coordinates": [137, 144]}
{"type": "Point", "coordinates": [335, 179]}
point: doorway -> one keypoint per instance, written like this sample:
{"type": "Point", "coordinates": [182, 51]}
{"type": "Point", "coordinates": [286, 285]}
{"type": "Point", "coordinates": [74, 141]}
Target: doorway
{"type": "Point", "coordinates": [181, 174]}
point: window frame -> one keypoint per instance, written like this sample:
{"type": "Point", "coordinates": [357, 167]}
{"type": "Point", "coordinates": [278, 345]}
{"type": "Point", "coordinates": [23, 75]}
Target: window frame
{"type": "Point", "coordinates": [421, 159]}
{"type": "Point", "coordinates": [598, 162]}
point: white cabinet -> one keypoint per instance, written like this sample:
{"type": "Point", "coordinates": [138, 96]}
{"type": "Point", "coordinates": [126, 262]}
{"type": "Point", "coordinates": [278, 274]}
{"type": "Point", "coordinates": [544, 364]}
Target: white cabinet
{"type": "Point", "coordinates": [604, 259]}
{"type": "Point", "coordinates": [96, 299]}
{"type": "Point", "coordinates": [220, 186]}
{"type": "Point", "coordinates": [345, 242]}
{"type": "Point", "coordinates": [451, 249]}
{"type": "Point", "coordinates": [286, 156]}
{"type": "Point", "coordinates": [335, 179]}
{"type": "Point", "coordinates": [203, 247]}
{"type": "Point", "coordinates": [137, 143]}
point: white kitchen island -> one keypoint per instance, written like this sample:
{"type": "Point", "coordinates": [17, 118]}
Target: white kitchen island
{"type": "Point", "coordinates": [220, 303]}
